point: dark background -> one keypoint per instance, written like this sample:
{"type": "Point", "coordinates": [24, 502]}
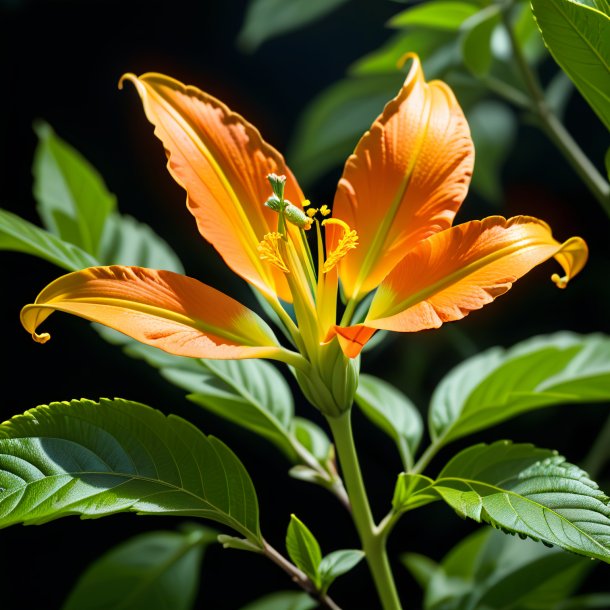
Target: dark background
{"type": "Point", "coordinates": [61, 62]}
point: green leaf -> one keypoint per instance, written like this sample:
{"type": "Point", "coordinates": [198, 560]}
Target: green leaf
{"type": "Point", "coordinates": [266, 19]}
{"type": "Point", "coordinates": [153, 571]}
{"type": "Point", "coordinates": [393, 412]}
{"type": "Point", "coordinates": [601, 601]}
{"type": "Point", "coordinates": [548, 370]}
{"type": "Point", "coordinates": [412, 491]}
{"type": "Point", "coordinates": [96, 459]}
{"type": "Point", "coordinates": [283, 600]}
{"type": "Point", "coordinates": [490, 570]}
{"type": "Point", "coordinates": [313, 438]}
{"type": "Point", "coordinates": [578, 38]}
{"type": "Point", "coordinates": [128, 242]}
{"type": "Point", "coordinates": [304, 549]}
{"type": "Point", "coordinates": [19, 235]}
{"type": "Point", "coordinates": [241, 544]}
{"type": "Point", "coordinates": [437, 15]}
{"type": "Point", "coordinates": [332, 124]}
{"type": "Point", "coordinates": [493, 127]}
{"type": "Point", "coordinates": [250, 393]}
{"type": "Point", "coordinates": [337, 563]}
{"type": "Point", "coordinates": [476, 40]}
{"type": "Point", "coordinates": [607, 162]}
{"type": "Point", "coordinates": [529, 491]}
{"type": "Point", "coordinates": [73, 200]}
{"type": "Point", "coordinates": [422, 568]}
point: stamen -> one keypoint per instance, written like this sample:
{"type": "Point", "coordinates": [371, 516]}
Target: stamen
{"type": "Point", "coordinates": [306, 203]}
{"type": "Point", "coordinates": [560, 282]}
{"type": "Point", "coordinates": [348, 242]}
{"type": "Point", "coordinates": [41, 338]}
{"type": "Point", "coordinates": [269, 251]}
{"type": "Point", "coordinates": [325, 210]}
{"type": "Point", "coordinates": [311, 212]}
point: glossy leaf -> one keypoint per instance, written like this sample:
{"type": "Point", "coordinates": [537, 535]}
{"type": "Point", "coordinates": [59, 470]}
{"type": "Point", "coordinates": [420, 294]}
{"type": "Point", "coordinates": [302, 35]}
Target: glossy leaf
{"type": "Point", "coordinates": [153, 571]}
{"type": "Point", "coordinates": [476, 40]}
{"type": "Point", "coordinates": [338, 563]}
{"type": "Point", "coordinates": [266, 19]}
{"type": "Point", "coordinates": [439, 14]}
{"type": "Point", "coordinates": [393, 412]}
{"type": "Point", "coordinates": [491, 570]}
{"type": "Point", "coordinates": [313, 438]}
{"type": "Point", "coordinates": [578, 38]}
{"type": "Point", "coordinates": [19, 235]}
{"type": "Point", "coordinates": [73, 200]}
{"type": "Point", "coordinates": [304, 550]}
{"type": "Point", "coordinates": [529, 491]}
{"type": "Point", "coordinates": [412, 491]}
{"type": "Point", "coordinates": [563, 368]}
{"type": "Point", "coordinates": [283, 600]}
{"type": "Point", "coordinates": [97, 459]}
{"type": "Point", "coordinates": [332, 124]}
{"type": "Point", "coordinates": [493, 127]}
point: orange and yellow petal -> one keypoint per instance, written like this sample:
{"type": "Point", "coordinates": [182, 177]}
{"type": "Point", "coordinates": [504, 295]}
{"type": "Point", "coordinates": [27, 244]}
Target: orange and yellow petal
{"type": "Point", "coordinates": [222, 162]}
{"type": "Point", "coordinates": [405, 181]}
{"type": "Point", "coordinates": [457, 271]}
{"type": "Point", "coordinates": [175, 313]}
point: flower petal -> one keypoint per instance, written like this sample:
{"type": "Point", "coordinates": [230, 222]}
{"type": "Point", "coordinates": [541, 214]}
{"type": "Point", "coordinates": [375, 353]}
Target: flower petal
{"type": "Point", "coordinates": [454, 272]}
{"type": "Point", "coordinates": [222, 162]}
{"type": "Point", "coordinates": [405, 181]}
{"type": "Point", "coordinates": [160, 308]}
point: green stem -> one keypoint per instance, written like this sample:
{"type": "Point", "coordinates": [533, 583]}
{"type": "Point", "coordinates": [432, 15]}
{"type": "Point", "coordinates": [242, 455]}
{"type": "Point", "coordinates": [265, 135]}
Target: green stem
{"type": "Point", "coordinates": [372, 539]}
{"type": "Point", "coordinates": [554, 128]}
{"type": "Point", "coordinates": [426, 457]}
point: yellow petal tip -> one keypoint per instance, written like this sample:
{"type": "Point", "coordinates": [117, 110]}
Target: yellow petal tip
{"type": "Point", "coordinates": [41, 338]}
{"type": "Point", "coordinates": [560, 282]}
{"type": "Point", "coordinates": [130, 76]}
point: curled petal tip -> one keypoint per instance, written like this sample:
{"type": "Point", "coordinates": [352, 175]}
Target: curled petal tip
{"type": "Point", "coordinates": [405, 58]}
{"type": "Point", "coordinates": [41, 337]}
{"type": "Point", "coordinates": [560, 282]}
{"type": "Point", "coordinates": [130, 76]}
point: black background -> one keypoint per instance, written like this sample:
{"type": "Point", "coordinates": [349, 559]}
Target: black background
{"type": "Point", "coordinates": [61, 61]}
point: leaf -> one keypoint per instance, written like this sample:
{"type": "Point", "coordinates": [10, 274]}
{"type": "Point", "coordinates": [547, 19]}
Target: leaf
{"type": "Point", "coordinates": [19, 235]}
{"type": "Point", "coordinates": [476, 40]}
{"type": "Point", "coordinates": [73, 200]}
{"type": "Point", "coordinates": [128, 242]}
{"type": "Point", "coordinates": [304, 549]}
{"type": "Point", "coordinates": [548, 370]}
{"type": "Point", "coordinates": [330, 127]}
{"type": "Point", "coordinates": [393, 412]}
{"type": "Point", "coordinates": [490, 570]}
{"type": "Point", "coordinates": [313, 438]}
{"type": "Point", "coordinates": [96, 459]}
{"type": "Point", "coordinates": [338, 563]}
{"type": "Point", "coordinates": [586, 602]}
{"type": "Point", "coordinates": [529, 491]}
{"type": "Point", "coordinates": [607, 162]}
{"type": "Point", "coordinates": [283, 600]}
{"type": "Point", "coordinates": [266, 19]}
{"type": "Point", "coordinates": [250, 393]}
{"type": "Point", "coordinates": [578, 38]}
{"type": "Point", "coordinates": [153, 571]}
{"type": "Point", "coordinates": [493, 128]}
{"type": "Point", "coordinates": [422, 568]}
{"type": "Point", "coordinates": [412, 491]}
{"type": "Point", "coordinates": [438, 15]}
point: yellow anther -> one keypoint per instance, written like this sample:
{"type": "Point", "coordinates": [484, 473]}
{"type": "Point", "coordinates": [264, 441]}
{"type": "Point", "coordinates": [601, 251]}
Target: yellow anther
{"type": "Point", "coordinates": [41, 338]}
{"type": "Point", "coordinates": [306, 203]}
{"type": "Point", "coordinates": [311, 212]}
{"type": "Point", "coordinates": [560, 282]}
{"type": "Point", "coordinates": [325, 210]}
{"type": "Point", "coordinates": [348, 242]}
{"type": "Point", "coordinates": [269, 250]}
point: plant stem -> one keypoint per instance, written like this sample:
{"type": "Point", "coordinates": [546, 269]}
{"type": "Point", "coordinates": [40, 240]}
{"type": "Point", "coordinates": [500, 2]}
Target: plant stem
{"type": "Point", "coordinates": [427, 455]}
{"type": "Point", "coordinates": [554, 128]}
{"type": "Point", "coordinates": [373, 540]}
{"type": "Point", "coordinates": [298, 577]}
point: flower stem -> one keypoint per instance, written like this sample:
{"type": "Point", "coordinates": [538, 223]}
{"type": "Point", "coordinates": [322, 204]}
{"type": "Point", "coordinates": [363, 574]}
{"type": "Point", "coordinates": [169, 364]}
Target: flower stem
{"type": "Point", "coordinates": [373, 540]}
{"type": "Point", "coordinates": [554, 128]}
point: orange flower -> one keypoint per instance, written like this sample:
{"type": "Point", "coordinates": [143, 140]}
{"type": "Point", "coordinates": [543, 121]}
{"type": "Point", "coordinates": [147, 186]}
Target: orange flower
{"type": "Point", "coordinates": [390, 235]}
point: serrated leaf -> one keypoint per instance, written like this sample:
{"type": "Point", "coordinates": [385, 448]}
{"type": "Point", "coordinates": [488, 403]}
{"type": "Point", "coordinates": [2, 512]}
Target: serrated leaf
{"type": "Point", "coordinates": [412, 491]}
{"type": "Point", "coordinates": [283, 600]}
{"type": "Point", "coordinates": [128, 242]}
{"type": "Point", "coordinates": [578, 38]}
{"type": "Point", "coordinates": [563, 368]}
{"type": "Point", "coordinates": [440, 15]}
{"type": "Point", "coordinates": [476, 40]}
{"type": "Point", "coordinates": [304, 550]}
{"type": "Point", "coordinates": [152, 571]}
{"type": "Point", "coordinates": [266, 19]}
{"type": "Point", "coordinates": [73, 200]}
{"type": "Point", "coordinates": [529, 491]}
{"type": "Point", "coordinates": [493, 127]}
{"type": "Point", "coordinates": [19, 235]}
{"type": "Point", "coordinates": [96, 459]}
{"type": "Point", "coordinates": [338, 563]}
{"type": "Point", "coordinates": [393, 412]}
{"type": "Point", "coordinates": [330, 127]}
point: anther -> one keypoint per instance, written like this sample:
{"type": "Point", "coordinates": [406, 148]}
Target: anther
{"type": "Point", "coordinates": [348, 242]}
{"type": "Point", "coordinates": [269, 250]}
